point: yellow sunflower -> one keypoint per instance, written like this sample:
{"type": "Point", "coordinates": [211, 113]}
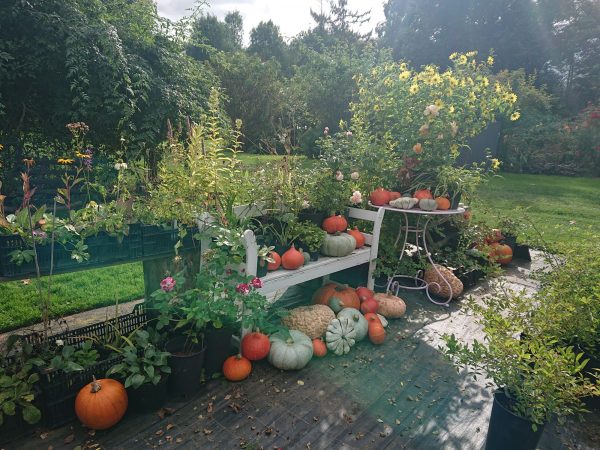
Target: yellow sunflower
{"type": "Point", "coordinates": [515, 116]}
{"type": "Point", "coordinates": [65, 161]}
{"type": "Point", "coordinates": [414, 89]}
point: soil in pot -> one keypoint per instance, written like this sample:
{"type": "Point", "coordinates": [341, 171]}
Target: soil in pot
{"type": "Point", "coordinates": [507, 431]}
{"type": "Point", "coordinates": [148, 397]}
{"type": "Point", "coordinates": [218, 349]}
{"type": "Point", "coordinates": [186, 366]}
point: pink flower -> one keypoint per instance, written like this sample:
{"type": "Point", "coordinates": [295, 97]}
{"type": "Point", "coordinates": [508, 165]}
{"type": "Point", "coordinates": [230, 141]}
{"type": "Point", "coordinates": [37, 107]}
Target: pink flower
{"type": "Point", "coordinates": [256, 283]}
{"type": "Point", "coordinates": [356, 197]}
{"type": "Point", "coordinates": [339, 176]}
{"type": "Point", "coordinates": [168, 284]}
{"type": "Point", "coordinates": [243, 288]}
{"type": "Point", "coordinates": [354, 175]}
{"type": "Point", "coordinates": [348, 133]}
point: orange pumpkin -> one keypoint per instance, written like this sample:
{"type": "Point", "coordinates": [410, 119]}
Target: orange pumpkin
{"type": "Point", "coordinates": [373, 317]}
{"type": "Point", "coordinates": [502, 253]}
{"type": "Point", "coordinates": [442, 203]}
{"type": "Point", "coordinates": [358, 237]}
{"type": "Point", "coordinates": [379, 197]}
{"type": "Point", "coordinates": [292, 259]}
{"type": "Point", "coordinates": [495, 236]}
{"type": "Point", "coordinates": [467, 215]}
{"type": "Point", "coordinates": [395, 195]}
{"type": "Point", "coordinates": [319, 348]}
{"type": "Point", "coordinates": [376, 333]}
{"type": "Point", "coordinates": [333, 224]}
{"type": "Point", "coordinates": [101, 404]}
{"type": "Point", "coordinates": [255, 346]}
{"type": "Point", "coordinates": [422, 194]}
{"type": "Point", "coordinates": [370, 305]}
{"type": "Point", "coordinates": [277, 261]}
{"type": "Point", "coordinates": [237, 368]}
{"type": "Point", "coordinates": [336, 296]}
{"type": "Point", "coordinates": [364, 293]}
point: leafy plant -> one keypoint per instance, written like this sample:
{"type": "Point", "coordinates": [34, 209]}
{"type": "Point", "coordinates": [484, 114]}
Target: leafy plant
{"type": "Point", "coordinates": [311, 235]}
{"type": "Point", "coordinates": [142, 362]}
{"type": "Point", "coordinates": [73, 359]}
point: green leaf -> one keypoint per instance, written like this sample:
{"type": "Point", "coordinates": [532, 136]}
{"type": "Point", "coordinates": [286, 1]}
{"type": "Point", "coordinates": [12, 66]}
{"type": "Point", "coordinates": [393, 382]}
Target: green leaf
{"type": "Point", "coordinates": [31, 414]}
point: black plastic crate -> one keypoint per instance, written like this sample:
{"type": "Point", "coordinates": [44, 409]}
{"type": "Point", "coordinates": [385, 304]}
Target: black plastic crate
{"type": "Point", "coordinates": [160, 240]}
{"type": "Point", "coordinates": [102, 248]}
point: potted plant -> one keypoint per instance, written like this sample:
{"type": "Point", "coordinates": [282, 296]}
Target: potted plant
{"type": "Point", "coordinates": [18, 389]}
{"type": "Point", "coordinates": [144, 370]}
{"type": "Point", "coordinates": [311, 238]}
{"type": "Point", "coordinates": [536, 379]}
{"type": "Point", "coordinates": [285, 231]}
{"type": "Point", "coordinates": [264, 259]}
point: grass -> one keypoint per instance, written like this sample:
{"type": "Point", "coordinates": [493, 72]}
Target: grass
{"type": "Point", "coordinates": [561, 208]}
{"type": "Point", "coordinates": [71, 293]}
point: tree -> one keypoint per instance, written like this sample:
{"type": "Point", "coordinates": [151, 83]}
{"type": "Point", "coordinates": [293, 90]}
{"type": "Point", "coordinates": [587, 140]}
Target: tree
{"type": "Point", "coordinates": [208, 32]}
{"type": "Point", "coordinates": [235, 24]}
{"type": "Point", "coordinates": [266, 42]}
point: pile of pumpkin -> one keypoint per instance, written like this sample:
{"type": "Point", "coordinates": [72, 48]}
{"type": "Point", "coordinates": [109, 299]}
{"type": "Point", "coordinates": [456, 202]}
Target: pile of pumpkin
{"type": "Point", "coordinates": [423, 198]}
{"type": "Point", "coordinates": [340, 317]}
{"type": "Point", "coordinates": [340, 241]}
{"type": "Point", "coordinates": [496, 250]}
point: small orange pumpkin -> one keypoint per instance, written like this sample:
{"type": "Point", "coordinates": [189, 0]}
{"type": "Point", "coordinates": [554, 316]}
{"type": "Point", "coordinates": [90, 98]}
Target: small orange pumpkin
{"type": "Point", "coordinates": [502, 253]}
{"type": "Point", "coordinates": [101, 404]}
{"type": "Point", "coordinates": [319, 348]}
{"type": "Point", "coordinates": [237, 368]}
{"type": "Point", "coordinates": [373, 317]}
{"type": "Point", "coordinates": [379, 197]}
{"type": "Point", "coordinates": [334, 224]}
{"type": "Point", "coordinates": [358, 237]}
{"type": "Point", "coordinates": [364, 293]}
{"type": "Point", "coordinates": [395, 195]}
{"type": "Point", "coordinates": [376, 333]}
{"type": "Point", "coordinates": [277, 261]}
{"type": "Point", "coordinates": [370, 305]}
{"type": "Point", "coordinates": [292, 259]}
{"type": "Point", "coordinates": [422, 194]}
{"type": "Point", "coordinates": [255, 346]}
{"type": "Point", "coordinates": [442, 203]}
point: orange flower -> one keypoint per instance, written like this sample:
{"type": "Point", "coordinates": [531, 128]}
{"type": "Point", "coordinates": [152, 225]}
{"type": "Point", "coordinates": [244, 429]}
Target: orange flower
{"type": "Point", "coordinates": [418, 148]}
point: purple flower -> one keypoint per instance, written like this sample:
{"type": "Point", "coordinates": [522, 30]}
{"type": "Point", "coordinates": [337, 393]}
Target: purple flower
{"type": "Point", "coordinates": [89, 158]}
{"type": "Point", "coordinates": [40, 234]}
{"type": "Point", "coordinates": [168, 284]}
{"type": "Point", "coordinates": [243, 288]}
{"type": "Point", "coordinates": [256, 283]}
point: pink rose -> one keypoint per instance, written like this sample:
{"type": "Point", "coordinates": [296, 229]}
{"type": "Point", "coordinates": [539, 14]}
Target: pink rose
{"type": "Point", "coordinates": [243, 288]}
{"type": "Point", "coordinates": [168, 284]}
{"type": "Point", "coordinates": [256, 283]}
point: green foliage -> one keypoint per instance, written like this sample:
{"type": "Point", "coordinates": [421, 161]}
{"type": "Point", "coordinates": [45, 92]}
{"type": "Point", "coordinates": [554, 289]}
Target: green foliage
{"type": "Point", "coordinates": [311, 235]}
{"type": "Point", "coordinates": [142, 362]}
{"type": "Point", "coordinates": [74, 359]}
{"type": "Point", "coordinates": [541, 378]}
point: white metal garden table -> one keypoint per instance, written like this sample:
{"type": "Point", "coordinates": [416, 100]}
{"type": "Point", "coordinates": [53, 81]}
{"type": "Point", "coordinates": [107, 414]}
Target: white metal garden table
{"type": "Point", "coordinates": [419, 230]}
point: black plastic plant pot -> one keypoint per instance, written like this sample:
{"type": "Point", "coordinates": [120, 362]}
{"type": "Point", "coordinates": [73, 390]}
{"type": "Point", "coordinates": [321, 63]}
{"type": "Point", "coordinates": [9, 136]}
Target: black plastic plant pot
{"type": "Point", "coordinates": [469, 279]}
{"type": "Point", "coordinates": [454, 199]}
{"type": "Point", "coordinates": [507, 431]}
{"type": "Point", "coordinates": [315, 217]}
{"type": "Point", "coordinates": [262, 267]}
{"type": "Point", "coordinates": [13, 427]}
{"type": "Point", "coordinates": [589, 371]}
{"type": "Point", "coordinates": [218, 349]}
{"type": "Point", "coordinates": [314, 256]}
{"type": "Point", "coordinates": [522, 252]}
{"type": "Point", "coordinates": [148, 397]}
{"type": "Point", "coordinates": [186, 367]}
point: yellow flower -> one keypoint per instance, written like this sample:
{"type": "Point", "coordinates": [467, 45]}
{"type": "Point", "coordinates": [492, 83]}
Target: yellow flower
{"type": "Point", "coordinates": [65, 161]}
{"type": "Point", "coordinates": [454, 149]}
{"type": "Point", "coordinates": [490, 60]}
{"type": "Point", "coordinates": [462, 60]}
{"type": "Point", "coordinates": [1, 147]}
{"type": "Point", "coordinates": [436, 79]}
{"type": "Point", "coordinates": [498, 88]}
{"type": "Point", "coordinates": [472, 96]}
{"type": "Point", "coordinates": [495, 163]}
{"type": "Point", "coordinates": [453, 56]}
{"type": "Point", "coordinates": [515, 116]}
{"type": "Point", "coordinates": [453, 82]}
{"type": "Point", "coordinates": [404, 75]}
{"type": "Point", "coordinates": [471, 54]}
{"type": "Point", "coordinates": [512, 97]}
{"type": "Point", "coordinates": [439, 103]}
{"type": "Point", "coordinates": [376, 108]}
{"type": "Point", "coordinates": [486, 82]}
{"type": "Point", "coordinates": [451, 109]}
{"type": "Point", "coordinates": [414, 89]}
{"type": "Point", "coordinates": [403, 67]}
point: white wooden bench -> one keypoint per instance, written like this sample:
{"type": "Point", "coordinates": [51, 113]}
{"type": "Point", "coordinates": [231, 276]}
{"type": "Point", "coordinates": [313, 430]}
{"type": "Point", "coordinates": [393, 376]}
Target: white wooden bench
{"type": "Point", "coordinates": [279, 280]}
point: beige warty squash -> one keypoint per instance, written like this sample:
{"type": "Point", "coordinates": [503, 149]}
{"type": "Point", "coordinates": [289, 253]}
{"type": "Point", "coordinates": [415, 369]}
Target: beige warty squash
{"type": "Point", "coordinates": [441, 288]}
{"type": "Point", "coordinates": [311, 320]}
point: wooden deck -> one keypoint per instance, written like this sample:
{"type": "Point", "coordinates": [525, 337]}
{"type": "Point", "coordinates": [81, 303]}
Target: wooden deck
{"type": "Point", "coordinates": [401, 395]}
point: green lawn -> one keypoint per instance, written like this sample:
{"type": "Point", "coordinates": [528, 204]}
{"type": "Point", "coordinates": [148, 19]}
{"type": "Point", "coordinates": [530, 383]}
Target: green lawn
{"type": "Point", "coordinates": [562, 208]}
{"type": "Point", "coordinates": [551, 202]}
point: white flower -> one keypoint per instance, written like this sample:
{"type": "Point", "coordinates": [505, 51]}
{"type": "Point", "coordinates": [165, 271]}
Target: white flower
{"type": "Point", "coordinates": [434, 110]}
{"type": "Point", "coordinates": [305, 204]}
{"type": "Point", "coordinates": [339, 176]}
{"type": "Point", "coordinates": [120, 166]}
{"type": "Point", "coordinates": [11, 218]}
{"type": "Point", "coordinates": [356, 198]}
{"type": "Point", "coordinates": [60, 342]}
{"type": "Point", "coordinates": [354, 175]}
{"type": "Point", "coordinates": [454, 128]}
{"type": "Point", "coordinates": [117, 166]}
{"type": "Point", "coordinates": [348, 133]}
{"type": "Point", "coordinates": [123, 166]}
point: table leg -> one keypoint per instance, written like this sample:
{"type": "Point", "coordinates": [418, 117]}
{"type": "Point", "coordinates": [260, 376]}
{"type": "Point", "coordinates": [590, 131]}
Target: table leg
{"type": "Point", "coordinates": [434, 267]}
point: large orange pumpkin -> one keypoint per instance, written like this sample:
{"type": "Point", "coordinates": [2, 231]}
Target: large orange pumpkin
{"type": "Point", "coordinates": [292, 259]}
{"type": "Point", "coordinates": [358, 237]}
{"type": "Point", "coordinates": [334, 224]}
{"type": "Point", "coordinates": [255, 346]}
{"type": "Point", "coordinates": [319, 348]}
{"type": "Point", "coordinates": [442, 203]}
{"type": "Point", "coordinates": [237, 368]}
{"type": "Point", "coordinates": [379, 197]}
{"type": "Point", "coordinates": [277, 261]}
{"type": "Point", "coordinates": [423, 194]}
{"type": "Point", "coordinates": [337, 297]}
{"type": "Point", "coordinates": [101, 404]}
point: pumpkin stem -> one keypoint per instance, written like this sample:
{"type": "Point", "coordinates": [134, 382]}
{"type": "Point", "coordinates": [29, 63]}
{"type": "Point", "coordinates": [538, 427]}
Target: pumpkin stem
{"type": "Point", "coordinates": [96, 386]}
